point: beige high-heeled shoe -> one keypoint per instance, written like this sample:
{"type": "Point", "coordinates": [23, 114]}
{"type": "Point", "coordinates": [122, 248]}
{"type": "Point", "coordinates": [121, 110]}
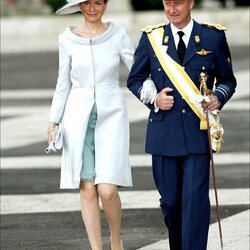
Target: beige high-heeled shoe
{"type": "Point", "coordinates": [120, 247]}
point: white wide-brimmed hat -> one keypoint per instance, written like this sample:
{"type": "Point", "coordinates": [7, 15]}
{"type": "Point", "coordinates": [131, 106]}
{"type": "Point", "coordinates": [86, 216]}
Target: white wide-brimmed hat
{"type": "Point", "coordinates": [71, 7]}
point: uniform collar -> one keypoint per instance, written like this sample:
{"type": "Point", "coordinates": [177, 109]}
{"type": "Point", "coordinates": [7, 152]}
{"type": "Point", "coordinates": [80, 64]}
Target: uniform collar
{"type": "Point", "coordinates": [195, 41]}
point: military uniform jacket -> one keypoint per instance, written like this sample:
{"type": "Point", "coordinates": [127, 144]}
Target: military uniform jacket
{"type": "Point", "coordinates": [177, 132]}
{"type": "Point", "coordinates": [88, 74]}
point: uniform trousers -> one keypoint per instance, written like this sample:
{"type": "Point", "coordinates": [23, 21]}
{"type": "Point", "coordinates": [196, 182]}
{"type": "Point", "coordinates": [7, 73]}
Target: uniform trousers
{"type": "Point", "coordinates": [183, 184]}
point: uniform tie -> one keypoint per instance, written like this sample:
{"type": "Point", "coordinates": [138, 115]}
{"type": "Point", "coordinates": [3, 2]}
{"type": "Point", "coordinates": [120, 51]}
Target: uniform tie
{"type": "Point", "coordinates": [181, 48]}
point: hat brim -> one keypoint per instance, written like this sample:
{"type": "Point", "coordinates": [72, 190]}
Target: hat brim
{"type": "Point", "coordinates": [70, 8]}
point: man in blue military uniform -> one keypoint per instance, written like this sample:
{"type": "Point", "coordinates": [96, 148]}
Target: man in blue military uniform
{"type": "Point", "coordinates": [174, 55]}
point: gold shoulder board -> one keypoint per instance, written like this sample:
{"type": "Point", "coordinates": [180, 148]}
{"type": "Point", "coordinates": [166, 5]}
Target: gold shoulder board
{"type": "Point", "coordinates": [150, 28]}
{"type": "Point", "coordinates": [215, 25]}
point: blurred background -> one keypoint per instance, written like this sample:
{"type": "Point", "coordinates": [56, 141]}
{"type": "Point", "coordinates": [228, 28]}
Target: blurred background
{"type": "Point", "coordinates": [12, 7]}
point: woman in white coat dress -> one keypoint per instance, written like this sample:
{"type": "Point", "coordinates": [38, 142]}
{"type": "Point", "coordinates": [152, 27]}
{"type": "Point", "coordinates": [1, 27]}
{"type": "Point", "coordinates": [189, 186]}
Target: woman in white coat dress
{"type": "Point", "coordinates": [89, 104]}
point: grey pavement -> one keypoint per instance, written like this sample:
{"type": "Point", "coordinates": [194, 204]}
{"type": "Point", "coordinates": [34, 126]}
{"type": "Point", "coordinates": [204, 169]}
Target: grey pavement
{"type": "Point", "coordinates": [35, 214]}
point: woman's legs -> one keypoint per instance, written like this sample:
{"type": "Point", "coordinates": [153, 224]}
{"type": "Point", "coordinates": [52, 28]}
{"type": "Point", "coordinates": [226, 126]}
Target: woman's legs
{"type": "Point", "coordinates": [90, 196]}
{"type": "Point", "coordinates": [112, 207]}
{"type": "Point", "coordinates": [91, 213]}
{"type": "Point", "coordinates": [88, 191]}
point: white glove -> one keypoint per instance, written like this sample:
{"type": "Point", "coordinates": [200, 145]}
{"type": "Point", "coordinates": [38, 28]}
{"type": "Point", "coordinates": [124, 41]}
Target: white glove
{"type": "Point", "coordinates": [148, 92]}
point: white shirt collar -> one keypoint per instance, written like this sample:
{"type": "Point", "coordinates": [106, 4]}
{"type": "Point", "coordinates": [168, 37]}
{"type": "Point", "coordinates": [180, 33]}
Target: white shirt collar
{"type": "Point", "coordinates": [187, 30]}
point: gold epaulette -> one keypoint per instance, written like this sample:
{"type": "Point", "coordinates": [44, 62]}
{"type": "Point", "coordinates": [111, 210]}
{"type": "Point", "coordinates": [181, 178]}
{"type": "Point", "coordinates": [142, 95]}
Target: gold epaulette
{"type": "Point", "coordinates": [215, 25]}
{"type": "Point", "coordinates": [150, 28]}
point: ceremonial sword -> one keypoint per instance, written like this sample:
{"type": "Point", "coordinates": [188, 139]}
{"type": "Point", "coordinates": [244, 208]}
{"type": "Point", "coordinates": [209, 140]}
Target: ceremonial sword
{"type": "Point", "coordinates": [206, 92]}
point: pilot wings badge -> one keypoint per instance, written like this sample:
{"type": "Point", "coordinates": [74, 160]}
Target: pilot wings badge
{"type": "Point", "coordinates": [204, 52]}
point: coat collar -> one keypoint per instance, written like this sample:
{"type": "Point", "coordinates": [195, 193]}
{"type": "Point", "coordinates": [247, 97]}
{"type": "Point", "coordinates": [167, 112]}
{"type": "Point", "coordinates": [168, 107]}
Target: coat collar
{"type": "Point", "coordinates": [194, 44]}
{"type": "Point", "coordinates": [96, 40]}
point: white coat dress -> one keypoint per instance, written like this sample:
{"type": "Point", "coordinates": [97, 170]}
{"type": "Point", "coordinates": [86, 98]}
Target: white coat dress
{"type": "Point", "coordinates": [88, 74]}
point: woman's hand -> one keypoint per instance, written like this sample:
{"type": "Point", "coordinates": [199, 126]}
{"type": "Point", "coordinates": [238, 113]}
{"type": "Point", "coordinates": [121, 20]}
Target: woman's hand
{"type": "Point", "coordinates": [51, 132]}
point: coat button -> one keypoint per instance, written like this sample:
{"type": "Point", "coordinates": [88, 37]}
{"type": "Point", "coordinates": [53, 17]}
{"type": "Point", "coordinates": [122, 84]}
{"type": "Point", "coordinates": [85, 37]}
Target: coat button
{"type": "Point", "coordinates": [183, 111]}
{"type": "Point", "coordinates": [150, 120]}
{"type": "Point", "coordinates": [159, 69]}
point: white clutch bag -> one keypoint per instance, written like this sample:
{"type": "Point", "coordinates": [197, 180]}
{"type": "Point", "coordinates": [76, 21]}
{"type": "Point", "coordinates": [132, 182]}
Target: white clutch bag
{"type": "Point", "coordinates": [59, 139]}
{"type": "Point", "coordinates": [57, 145]}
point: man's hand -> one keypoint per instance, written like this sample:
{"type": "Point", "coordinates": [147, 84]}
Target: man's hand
{"type": "Point", "coordinates": [165, 101]}
{"type": "Point", "coordinates": [213, 104]}
{"type": "Point", "coordinates": [148, 92]}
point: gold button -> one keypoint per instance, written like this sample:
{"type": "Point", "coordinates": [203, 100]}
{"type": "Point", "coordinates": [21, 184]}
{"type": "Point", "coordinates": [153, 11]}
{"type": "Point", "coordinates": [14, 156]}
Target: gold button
{"type": "Point", "coordinates": [183, 111]}
{"type": "Point", "coordinates": [159, 69]}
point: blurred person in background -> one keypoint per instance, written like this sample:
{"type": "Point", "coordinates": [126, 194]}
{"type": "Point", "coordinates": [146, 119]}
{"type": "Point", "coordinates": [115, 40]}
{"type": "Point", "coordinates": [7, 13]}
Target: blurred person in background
{"type": "Point", "coordinates": [175, 55]}
{"type": "Point", "coordinates": [90, 106]}
{"type": "Point", "coordinates": [223, 3]}
{"type": "Point", "coordinates": [11, 3]}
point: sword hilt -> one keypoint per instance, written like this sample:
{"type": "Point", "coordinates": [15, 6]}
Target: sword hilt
{"type": "Point", "coordinates": [203, 85]}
